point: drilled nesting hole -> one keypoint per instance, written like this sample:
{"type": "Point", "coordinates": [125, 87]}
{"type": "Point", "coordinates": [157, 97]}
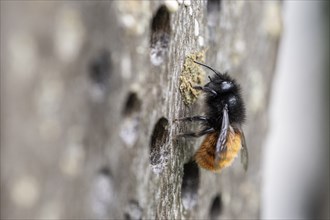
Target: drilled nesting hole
{"type": "Point", "coordinates": [213, 15]}
{"type": "Point", "coordinates": [131, 121]}
{"type": "Point", "coordinates": [213, 6]}
{"type": "Point", "coordinates": [160, 35]}
{"type": "Point", "coordinates": [99, 68]}
{"type": "Point", "coordinates": [104, 171]}
{"type": "Point", "coordinates": [132, 104]}
{"type": "Point", "coordinates": [216, 207]}
{"type": "Point", "coordinates": [133, 211]}
{"type": "Point", "coordinates": [158, 151]}
{"type": "Point", "coordinates": [99, 72]}
{"type": "Point", "coordinates": [190, 184]}
{"type": "Point", "coordinates": [102, 193]}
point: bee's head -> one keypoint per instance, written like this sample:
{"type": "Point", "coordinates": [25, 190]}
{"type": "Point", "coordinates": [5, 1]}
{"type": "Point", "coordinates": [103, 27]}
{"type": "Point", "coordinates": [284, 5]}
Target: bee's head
{"type": "Point", "coordinates": [222, 83]}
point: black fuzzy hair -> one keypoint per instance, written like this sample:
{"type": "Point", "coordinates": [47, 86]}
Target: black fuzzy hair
{"type": "Point", "coordinates": [230, 96]}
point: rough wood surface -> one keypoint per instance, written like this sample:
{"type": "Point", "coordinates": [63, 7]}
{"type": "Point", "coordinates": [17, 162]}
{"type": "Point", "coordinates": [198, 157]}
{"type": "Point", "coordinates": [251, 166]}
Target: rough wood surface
{"type": "Point", "coordinates": [89, 91]}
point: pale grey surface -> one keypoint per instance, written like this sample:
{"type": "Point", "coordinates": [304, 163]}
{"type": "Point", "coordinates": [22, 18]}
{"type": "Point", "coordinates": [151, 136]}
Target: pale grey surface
{"type": "Point", "coordinates": [295, 161]}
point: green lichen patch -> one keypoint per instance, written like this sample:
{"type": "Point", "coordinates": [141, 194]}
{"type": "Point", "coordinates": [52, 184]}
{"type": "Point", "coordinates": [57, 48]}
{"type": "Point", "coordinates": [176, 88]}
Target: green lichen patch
{"type": "Point", "coordinates": [192, 75]}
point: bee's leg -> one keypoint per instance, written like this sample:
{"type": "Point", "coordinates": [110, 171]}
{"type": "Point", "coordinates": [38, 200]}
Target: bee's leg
{"type": "Point", "coordinates": [206, 89]}
{"type": "Point", "coordinates": [196, 134]}
{"type": "Point", "coordinates": [193, 118]}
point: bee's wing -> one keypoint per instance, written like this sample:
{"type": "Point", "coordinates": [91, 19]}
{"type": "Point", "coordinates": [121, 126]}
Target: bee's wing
{"type": "Point", "coordinates": [244, 151]}
{"type": "Point", "coordinates": [221, 142]}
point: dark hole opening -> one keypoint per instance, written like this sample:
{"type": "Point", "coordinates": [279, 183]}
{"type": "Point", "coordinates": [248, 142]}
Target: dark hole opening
{"type": "Point", "coordinates": [213, 15]}
{"type": "Point", "coordinates": [105, 171]}
{"type": "Point", "coordinates": [102, 192]}
{"type": "Point", "coordinates": [133, 104]}
{"type": "Point", "coordinates": [161, 20]}
{"type": "Point", "coordinates": [213, 6]}
{"type": "Point", "coordinates": [216, 207]}
{"type": "Point", "coordinates": [160, 35]}
{"type": "Point", "coordinates": [159, 138]}
{"type": "Point", "coordinates": [190, 184]}
{"type": "Point", "coordinates": [99, 68]}
{"type": "Point", "coordinates": [133, 211]}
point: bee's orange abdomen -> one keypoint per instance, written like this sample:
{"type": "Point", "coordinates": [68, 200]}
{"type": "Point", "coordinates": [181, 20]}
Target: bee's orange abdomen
{"type": "Point", "coordinates": [205, 155]}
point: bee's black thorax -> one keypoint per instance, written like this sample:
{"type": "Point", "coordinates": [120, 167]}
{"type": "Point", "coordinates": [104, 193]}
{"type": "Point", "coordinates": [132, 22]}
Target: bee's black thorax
{"type": "Point", "coordinates": [228, 93]}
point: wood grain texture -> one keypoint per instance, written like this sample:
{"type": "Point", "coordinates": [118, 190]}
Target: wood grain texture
{"type": "Point", "coordinates": [75, 142]}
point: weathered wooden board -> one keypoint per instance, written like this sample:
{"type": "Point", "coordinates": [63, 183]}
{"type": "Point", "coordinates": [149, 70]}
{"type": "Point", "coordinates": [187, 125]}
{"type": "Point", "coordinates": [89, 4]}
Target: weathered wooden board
{"type": "Point", "coordinates": [89, 91]}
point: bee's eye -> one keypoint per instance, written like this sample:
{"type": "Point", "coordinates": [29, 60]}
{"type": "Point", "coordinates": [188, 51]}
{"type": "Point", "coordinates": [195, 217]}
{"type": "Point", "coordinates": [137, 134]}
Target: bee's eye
{"type": "Point", "coordinates": [226, 86]}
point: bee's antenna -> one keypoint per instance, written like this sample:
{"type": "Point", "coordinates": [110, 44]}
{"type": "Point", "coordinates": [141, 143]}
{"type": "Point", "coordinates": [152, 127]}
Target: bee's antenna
{"type": "Point", "coordinates": [210, 68]}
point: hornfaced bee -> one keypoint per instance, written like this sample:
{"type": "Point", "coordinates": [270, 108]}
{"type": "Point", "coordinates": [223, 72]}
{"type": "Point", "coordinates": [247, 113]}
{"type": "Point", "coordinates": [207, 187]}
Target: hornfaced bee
{"type": "Point", "coordinates": [222, 123]}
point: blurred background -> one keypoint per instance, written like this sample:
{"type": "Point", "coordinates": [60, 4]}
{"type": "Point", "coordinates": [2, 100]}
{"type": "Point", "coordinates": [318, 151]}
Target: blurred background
{"type": "Point", "coordinates": [296, 155]}
{"type": "Point", "coordinates": [58, 58]}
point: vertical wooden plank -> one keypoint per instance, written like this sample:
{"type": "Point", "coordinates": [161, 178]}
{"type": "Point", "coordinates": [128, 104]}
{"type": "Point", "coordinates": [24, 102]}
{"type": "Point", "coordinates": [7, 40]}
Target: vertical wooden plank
{"type": "Point", "coordinates": [89, 91]}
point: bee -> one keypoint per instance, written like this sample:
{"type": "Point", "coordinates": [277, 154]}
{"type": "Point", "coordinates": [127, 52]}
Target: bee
{"type": "Point", "coordinates": [222, 123]}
